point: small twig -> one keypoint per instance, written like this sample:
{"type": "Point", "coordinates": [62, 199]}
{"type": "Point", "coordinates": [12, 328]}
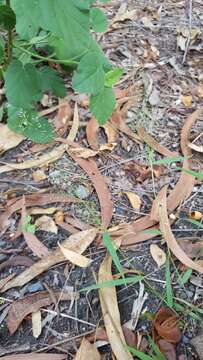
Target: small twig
{"type": "Point", "coordinates": [190, 29]}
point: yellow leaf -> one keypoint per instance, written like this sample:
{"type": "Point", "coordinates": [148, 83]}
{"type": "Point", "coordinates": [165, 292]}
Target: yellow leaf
{"type": "Point", "coordinates": [46, 223]}
{"type": "Point", "coordinates": [134, 200]}
{"type": "Point", "coordinates": [111, 313]}
{"type": "Point", "coordinates": [39, 175]}
{"type": "Point", "coordinates": [158, 254]}
{"type": "Point", "coordinates": [74, 257]}
{"type": "Point", "coordinates": [186, 100]}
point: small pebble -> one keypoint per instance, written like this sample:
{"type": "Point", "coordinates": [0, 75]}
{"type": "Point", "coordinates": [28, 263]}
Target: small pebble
{"type": "Point", "coordinates": [82, 192]}
{"type": "Point", "coordinates": [35, 287]}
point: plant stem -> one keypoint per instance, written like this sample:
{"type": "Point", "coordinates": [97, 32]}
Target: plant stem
{"type": "Point", "coordinates": [44, 58]}
{"type": "Point", "coordinates": [10, 40]}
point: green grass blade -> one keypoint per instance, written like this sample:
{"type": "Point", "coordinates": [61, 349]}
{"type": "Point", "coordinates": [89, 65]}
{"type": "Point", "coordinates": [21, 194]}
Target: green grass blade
{"type": "Point", "coordinates": [112, 251]}
{"type": "Point", "coordinates": [116, 282]}
{"type": "Point", "coordinates": [151, 232]}
{"type": "Point", "coordinates": [195, 222]}
{"type": "Point", "coordinates": [169, 291]}
{"type": "Point", "coordinates": [139, 354]}
{"type": "Point", "coordinates": [156, 350]}
{"type": "Point", "coordinates": [168, 160]}
{"type": "Point", "coordinates": [198, 175]}
{"type": "Point", "coordinates": [185, 277]}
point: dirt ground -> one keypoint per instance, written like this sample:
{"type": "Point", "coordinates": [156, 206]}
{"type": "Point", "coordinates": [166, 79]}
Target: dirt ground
{"type": "Point", "coordinates": [159, 46]}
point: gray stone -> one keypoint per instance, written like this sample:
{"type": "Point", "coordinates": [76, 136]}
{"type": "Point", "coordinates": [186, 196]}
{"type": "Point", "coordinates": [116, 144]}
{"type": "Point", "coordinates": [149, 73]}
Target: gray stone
{"type": "Point", "coordinates": [82, 192]}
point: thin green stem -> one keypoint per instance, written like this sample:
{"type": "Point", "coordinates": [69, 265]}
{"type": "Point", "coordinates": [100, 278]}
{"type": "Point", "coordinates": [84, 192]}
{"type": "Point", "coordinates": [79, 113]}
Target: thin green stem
{"type": "Point", "coordinates": [44, 58]}
{"type": "Point", "coordinates": [10, 40]}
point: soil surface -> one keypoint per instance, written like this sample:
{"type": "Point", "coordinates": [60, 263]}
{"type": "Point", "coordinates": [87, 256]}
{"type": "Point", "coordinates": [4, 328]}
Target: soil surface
{"type": "Point", "coordinates": [159, 46]}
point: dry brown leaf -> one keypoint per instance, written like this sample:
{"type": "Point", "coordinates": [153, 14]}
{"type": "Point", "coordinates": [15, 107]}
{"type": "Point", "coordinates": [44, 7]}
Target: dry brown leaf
{"type": "Point", "coordinates": [59, 217]}
{"type": "Point", "coordinates": [182, 189]}
{"type": "Point", "coordinates": [111, 314]}
{"type": "Point", "coordinates": [118, 123]}
{"type": "Point", "coordinates": [8, 138]}
{"type": "Point", "coordinates": [158, 254]}
{"type": "Point", "coordinates": [34, 356]}
{"type": "Point", "coordinates": [186, 100]}
{"type": "Point", "coordinates": [86, 153]}
{"type": "Point", "coordinates": [16, 261]}
{"type": "Point", "coordinates": [31, 303]}
{"type": "Point", "coordinates": [61, 121]}
{"type": "Point", "coordinates": [134, 200]}
{"type": "Point", "coordinates": [166, 325]}
{"type": "Point", "coordinates": [197, 342]}
{"type": "Point", "coordinates": [78, 242]}
{"type": "Point", "coordinates": [149, 140]}
{"type": "Point", "coordinates": [167, 349]}
{"type": "Point", "coordinates": [5, 280]}
{"type": "Point", "coordinates": [122, 16]}
{"type": "Point", "coordinates": [75, 125]}
{"type": "Point", "coordinates": [192, 249]}
{"type": "Point", "coordinates": [165, 227]}
{"type": "Point", "coordinates": [83, 153]}
{"type": "Point", "coordinates": [46, 223]}
{"type": "Point", "coordinates": [104, 195]}
{"type": "Point", "coordinates": [185, 133]}
{"type": "Point", "coordinates": [41, 211]}
{"type": "Point", "coordinates": [80, 225]}
{"type": "Point", "coordinates": [39, 175]}
{"type": "Point", "coordinates": [37, 198]}
{"type": "Point", "coordinates": [42, 160]}
{"type": "Point", "coordinates": [87, 351]}
{"type": "Point", "coordinates": [74, 257]}
{"type": "Point", "coordinates": [32, 241]}
{"type": "Point", "coordinates": [92, 132]}
{"type": "Point", "coordinates": [36, 323]}
{"type": "Point", "coordinates": [198, 148]}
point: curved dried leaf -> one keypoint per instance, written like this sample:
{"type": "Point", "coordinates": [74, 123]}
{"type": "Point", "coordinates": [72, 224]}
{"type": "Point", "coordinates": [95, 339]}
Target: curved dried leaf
{"type": "Point", "coordinates": [165, 227]}
{"type": "Point", "coordinates": [167, 349]}
{"type": "Point", "coordinates": [64, 115]}
{"type": "Point", "coordinates": [30, 304]}
{"type": "Point", "coordinates": [149, 140]}
{"type": "Point", "coordinates": [75, 125]}
{"type": "Point", "coordinates": [78, 242]}
{"type": "Point", "coordinates": [110, 312]}
{"type": "Point", "coordinates": [46, 223]}
{"type": "Point", "coordinates": [166, 325]}
{"type": "Point", "coordinates": [17, 261]}
{"type": "Point", "coordinates": [32, 241]}
{"type": "Point", "coordinates": [134, 200]}
{"type": "Point", "coordinates": [104, 195]}
{"type": "Point", "coordinates": [198, 148]}
{"type": "Point", "coordinates": [8, 138]}
{"type": "Point", "coordinates": [87, 351]}
{"type": "Point", "coordinates": [34, 356]}
{"type": "Point", "coordinates": [42, 160]}
{"type": "Point", "coordinates": [92, 132]}
{"type": "Point", "coordinates": [158, 254]}
{"type": "Point", "coordinates": [185, 133]}
{"type": "Point", "coordinates": [119, 124]}
{"type": "Point", "coordinates": [74, 257]}
{"type": "Point", "coordinates": [36, 199]}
